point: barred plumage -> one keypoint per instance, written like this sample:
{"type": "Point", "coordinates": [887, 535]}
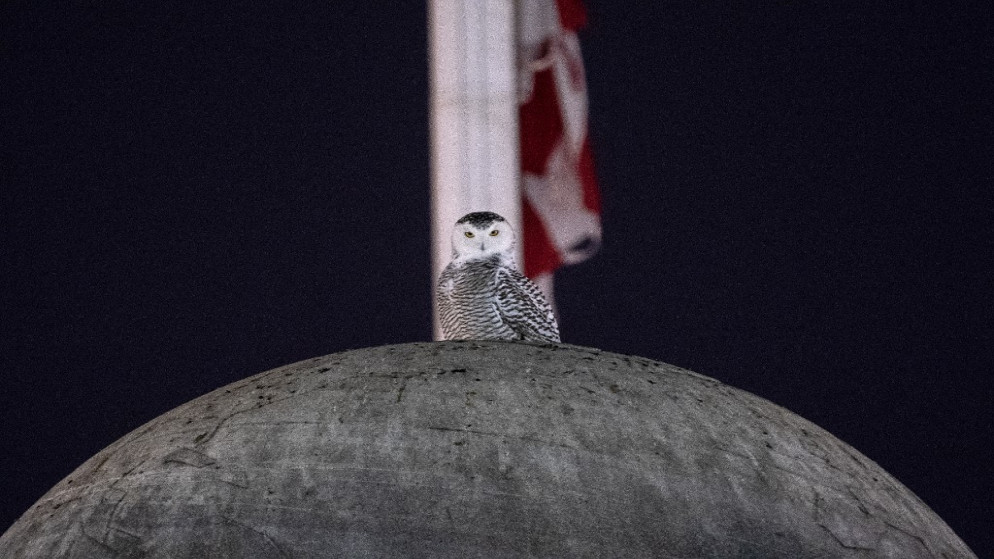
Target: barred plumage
{"type": "Point", "coordinates": [482, 295]}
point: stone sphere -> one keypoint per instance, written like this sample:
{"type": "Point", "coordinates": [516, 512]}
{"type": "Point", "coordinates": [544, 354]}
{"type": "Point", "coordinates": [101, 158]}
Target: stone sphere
{"type": "Point", "coordinates": [479, 449]}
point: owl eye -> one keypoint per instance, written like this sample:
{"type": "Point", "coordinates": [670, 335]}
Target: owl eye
{"type": "Point", "coordinates": [494, 233]}
{"type": "Point", "coordinates": [469, 234]}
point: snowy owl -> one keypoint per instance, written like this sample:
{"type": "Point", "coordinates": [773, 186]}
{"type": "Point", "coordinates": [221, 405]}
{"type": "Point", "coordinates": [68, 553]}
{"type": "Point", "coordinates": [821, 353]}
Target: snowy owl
{"type": "Point", "coordinates": [482, 295]}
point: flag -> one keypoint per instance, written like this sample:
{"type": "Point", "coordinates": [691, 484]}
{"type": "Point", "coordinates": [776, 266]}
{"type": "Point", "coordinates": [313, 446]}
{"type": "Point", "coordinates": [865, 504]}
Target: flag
{"type": "Point", "coordinates": [560, 200]}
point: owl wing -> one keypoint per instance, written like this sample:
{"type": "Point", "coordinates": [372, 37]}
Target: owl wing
{"type": "Point", "coordinates": [448, 317]}
{"type": "Point", "coordinates": [523, 308]}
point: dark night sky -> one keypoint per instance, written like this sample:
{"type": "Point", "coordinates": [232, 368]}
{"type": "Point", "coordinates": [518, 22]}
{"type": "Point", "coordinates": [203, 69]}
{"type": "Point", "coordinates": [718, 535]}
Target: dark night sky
{"type": "Point", "coordinates": [193, 194]}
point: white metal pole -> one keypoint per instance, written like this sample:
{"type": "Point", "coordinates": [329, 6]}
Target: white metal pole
{"type": "Point", "coordinates": [474, 118]}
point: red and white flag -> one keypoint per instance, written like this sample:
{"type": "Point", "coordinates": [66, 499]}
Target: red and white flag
{"type": "Point", "coordinates": [560, 200]}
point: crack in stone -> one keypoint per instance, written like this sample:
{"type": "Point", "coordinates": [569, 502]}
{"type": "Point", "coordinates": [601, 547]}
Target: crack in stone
{"type": "Point", "coordinates": [505, 435]}
{"type": "Point", "coordinates": [265, 536]}
{"type": "Point", "coordinates": [909, 534]}
{"type": "Point", "coordinates": [189, 457]}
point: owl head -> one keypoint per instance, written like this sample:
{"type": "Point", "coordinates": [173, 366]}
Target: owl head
{"type": "Point", "coordinates": [482, 235]}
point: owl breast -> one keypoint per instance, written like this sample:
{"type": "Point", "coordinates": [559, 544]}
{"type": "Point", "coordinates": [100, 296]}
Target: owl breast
{"type": "Point", "coordinates": [467, 297]}
{"type": "Point", "coordinates": [487, 300]}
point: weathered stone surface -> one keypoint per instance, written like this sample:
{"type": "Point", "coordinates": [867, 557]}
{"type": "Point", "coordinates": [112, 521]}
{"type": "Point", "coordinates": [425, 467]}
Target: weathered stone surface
{"type": "Point", "coordinates": [479, 449]}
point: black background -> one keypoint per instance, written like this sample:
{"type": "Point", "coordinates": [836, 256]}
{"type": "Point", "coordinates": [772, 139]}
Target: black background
{"type": "Point", "coordinates": [193, 194]}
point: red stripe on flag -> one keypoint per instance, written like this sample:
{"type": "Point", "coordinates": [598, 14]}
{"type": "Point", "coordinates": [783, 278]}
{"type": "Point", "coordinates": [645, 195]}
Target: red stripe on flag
{"type": "Point", "coordinates": [541, 124]}
{"type": "Point", "coordinates": [541, 256]}
{"type": "Point", "coordinates": [591, 193]}
{"type": "Point", "coordinates": [541, 129]}
{"type": "Point", "coordinates": [572, 14]}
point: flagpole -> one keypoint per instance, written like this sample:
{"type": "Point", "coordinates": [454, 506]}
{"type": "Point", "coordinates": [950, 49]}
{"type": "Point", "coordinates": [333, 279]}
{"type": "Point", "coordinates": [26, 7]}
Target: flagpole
{"type": "Point", "coordinates": [474, 118]}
